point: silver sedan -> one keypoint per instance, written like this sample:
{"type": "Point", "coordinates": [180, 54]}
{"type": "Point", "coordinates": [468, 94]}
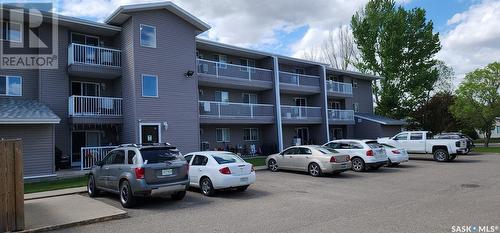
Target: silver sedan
{"type": "Point", "coordinates": [316, 160]}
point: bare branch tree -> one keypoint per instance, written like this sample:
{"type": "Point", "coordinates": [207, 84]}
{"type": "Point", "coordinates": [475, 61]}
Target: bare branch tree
{"type": "Point", "coordinates": [339, 49]}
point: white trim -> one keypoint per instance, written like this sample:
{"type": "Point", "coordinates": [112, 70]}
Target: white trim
{"type": "Point", "coordinates": [325, 102]}
{"type": "Point", "coordinates": [28, 121]}
{"type": "Point", "coordinates": [277, 99]}
{"type": "Point", "coordinates": [41, 176]}
{"type": "Point", "coordinates": [150, 124]}
{"type": "Point", "coordinates": [142, 86]}
{"type": "Point", "coordinates": [140, 36]}
{"type": "Point", "coordinates": [7, 77]}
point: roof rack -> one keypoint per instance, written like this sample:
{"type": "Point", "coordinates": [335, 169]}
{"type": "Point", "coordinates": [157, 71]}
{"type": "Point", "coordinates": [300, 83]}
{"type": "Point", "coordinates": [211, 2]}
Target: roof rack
{"type": "Point", "coordinates": [145, 144]}
{"type": "Point", "coordinates": [128, 145]}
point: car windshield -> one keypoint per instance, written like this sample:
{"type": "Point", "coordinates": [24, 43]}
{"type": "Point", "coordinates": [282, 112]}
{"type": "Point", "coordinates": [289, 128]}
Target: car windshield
{"type": "Point", "coordinates": [159, 155]}
{"type": "Point", "coordinates": [386, 145]}
{"type": "Point", "coordinates": [227, 158]}
{"type": "Point", "coordinates": [325, 150]}
{"type": "Point", "coordinates": [373, 144]}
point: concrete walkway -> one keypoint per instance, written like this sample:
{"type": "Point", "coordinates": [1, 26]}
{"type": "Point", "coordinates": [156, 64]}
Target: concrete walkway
{"type": "Point", "coordinates": [55, 193]}
{"type": "Point", "coordinates": [58, 212]}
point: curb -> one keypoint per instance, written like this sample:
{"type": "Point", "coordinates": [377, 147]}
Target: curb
{"type": "Point", "coordinates": [260, 168]}
{"type": "Point", "coordinates": [80, 223]}
{"type": "Point", "coordinates": [61, 193]}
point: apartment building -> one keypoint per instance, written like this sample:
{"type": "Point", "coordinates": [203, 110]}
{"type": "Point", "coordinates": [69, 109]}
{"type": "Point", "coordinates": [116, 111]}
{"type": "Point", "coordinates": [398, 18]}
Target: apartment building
{"type": "Point", "coordinates": [144, 76]}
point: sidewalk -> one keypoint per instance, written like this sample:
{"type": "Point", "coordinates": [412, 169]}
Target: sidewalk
{"type": "Point", "coordinates": [54, 193]}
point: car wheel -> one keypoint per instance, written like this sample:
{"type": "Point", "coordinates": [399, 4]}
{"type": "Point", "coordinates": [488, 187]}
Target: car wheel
{"type": "Point", "coordinates": [358, 165]}
{"type": "Point", "coordinates": [441, 155]}
{"type": "Point", "coordinates": [314, 170]}
{"type": "Point", "coordinates": [127, 199]}
{"type": "Point", "coordinates": [272, 165]}
{"type": "Point", "coordinates": [242, 188]}
{"type": "Point", "coordinates": [91, 188]}
{"type": "Point", "coordinates": [206, 187]}
{"type": "Point", "coordinates": [179, 195]}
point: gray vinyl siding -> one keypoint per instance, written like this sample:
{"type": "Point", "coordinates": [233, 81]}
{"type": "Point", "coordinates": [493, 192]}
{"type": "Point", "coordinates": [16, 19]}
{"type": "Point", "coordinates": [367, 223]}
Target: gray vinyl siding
{"type": "Point", "coordinates": [38, 147]}
{"type": "Point", "coordinates": [363, 96]}
{"type": "Point", "coordinates": [129, 133]}
{"type": "Point", "coordinates": [174, 54]}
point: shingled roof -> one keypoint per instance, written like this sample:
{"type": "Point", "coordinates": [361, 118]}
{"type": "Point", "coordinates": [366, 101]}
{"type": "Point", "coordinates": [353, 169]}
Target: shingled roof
{"type": "Point", "coordinates": [17, 111]}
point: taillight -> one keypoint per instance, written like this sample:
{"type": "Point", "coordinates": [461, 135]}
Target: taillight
{"type": "Point", "coordinates": [253, 169]}
{"type": "Point", "coordinates": [369, 153]}
{"type": "Point", "coordinates": [396, 152]}
{"type": "Point", "coordinates": [225, 171]}
{"type": "Point", "coordinates": [139, 173]}
{"type": "Point", "coordinates": [332, 159]}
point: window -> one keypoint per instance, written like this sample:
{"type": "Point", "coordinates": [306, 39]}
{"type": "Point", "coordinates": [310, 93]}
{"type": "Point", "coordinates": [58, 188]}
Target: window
{"type": "Point", "coordinates": [188, 158]}
{"type": "Point", "coordinates": [149, 86]}
{"type": "Point", "coordinates": [222, 134]}
{"type": "Point", "coordinates": [148, 36]}
{"type": "Point", "coordinates": [200, 160]}
{"type": "Point", "coordinates": [159, 155]}
{"type": "Point", "coordinates": [11, 86]}
{"type": "Point", "coordinates": [355, 107]}
{"type": "Point", "coordinates": [402, 136]}
{"type": "Point", "coordinates": [109, 158]}
{"type": "Point", "coordinates": [222, 61]}
{"type": "Point", "coordinates": [304, 151]}
{"type": "Point", "coordinates": [498, 129]}
{"type": "Point", "coordinates": [249, 98]}
{"type": "Point", "coordinates": [119, 157]}
{"type": "Point", "coordinates": [354, 83]}
{"type": "Point", "coordinates": [84, 39]}
{"type": "Point", "coordinates": [12, 31]}
{"type": "Point", "coordinates": [85, 88]}
{"type": "Point", "coordinates": [290, 151]}
{"type": "Point", "coordinates": [130, 157]}
{"type": "Point", "coordinates": [225, 158]}
{"type": "Point", "coordinates": [247, 63]}
{"type": "Point", "coordinates": [355, 145]}
{"type": "Point", "coordinates": [416, 136]}
{"type": "Point", "coordinates": [251, 134]}
{"type": "Point", "coordinates": [222, 96]}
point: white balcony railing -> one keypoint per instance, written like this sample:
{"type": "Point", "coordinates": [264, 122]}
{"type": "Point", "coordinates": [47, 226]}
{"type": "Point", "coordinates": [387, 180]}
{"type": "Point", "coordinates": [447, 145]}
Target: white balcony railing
{"type": "Point", "coordinates": [91, 155]}
{"type": "Point", "coordinates": [340, 115]}
{"type": "Point", "coordinates": [84, 106]}
{"type": "Point", "coordinates": [219, 69]}
{"type": "Point", "coordinates": [299, 79]}
{"type": "Point", "coordinates": [93, 55]}
{"type": "Point", "coordinates": [300, 112]}
{"type": "Point", "coordinates": [211, 109]}
{"type": "Point", "coordinates": [338, 87]}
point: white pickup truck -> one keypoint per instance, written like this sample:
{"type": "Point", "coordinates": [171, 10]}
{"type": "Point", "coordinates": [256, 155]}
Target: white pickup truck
{"type": "Point", "coordinates": [422, 142]}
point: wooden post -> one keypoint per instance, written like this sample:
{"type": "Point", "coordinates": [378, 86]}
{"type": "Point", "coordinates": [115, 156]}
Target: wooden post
{"type": "Point", "coordinates": [11, 186]}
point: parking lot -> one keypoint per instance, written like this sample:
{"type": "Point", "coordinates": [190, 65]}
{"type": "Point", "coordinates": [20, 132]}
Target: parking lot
{"type": "Point", "coordinates": [419, 196]}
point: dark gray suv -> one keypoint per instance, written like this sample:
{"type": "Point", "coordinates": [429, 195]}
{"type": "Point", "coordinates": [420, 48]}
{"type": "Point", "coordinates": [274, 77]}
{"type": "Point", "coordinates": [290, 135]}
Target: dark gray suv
{"type": "Point", "coordinates": [140, 170]}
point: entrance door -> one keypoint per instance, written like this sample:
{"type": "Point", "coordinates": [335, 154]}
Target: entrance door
{"type": "Point", "coordinates": [300, 103]}
{"type": "Point", "coordinates": [303, 134]}
{"type": "Point", "coordinates": [338, 133]}
{"type": "Point", "coordinates": [150, 134]}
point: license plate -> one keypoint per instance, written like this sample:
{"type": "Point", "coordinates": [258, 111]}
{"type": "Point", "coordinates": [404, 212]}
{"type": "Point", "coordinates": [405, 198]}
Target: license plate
{"type": "Point", "coordinates": [166, 172]}
{"type": "Point", "coordinates": [244, 179]}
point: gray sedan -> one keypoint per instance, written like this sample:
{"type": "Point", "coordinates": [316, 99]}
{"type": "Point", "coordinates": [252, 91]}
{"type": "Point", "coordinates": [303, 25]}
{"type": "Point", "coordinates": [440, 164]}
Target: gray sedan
{"type": "Point", "coordinates": [316, 160]}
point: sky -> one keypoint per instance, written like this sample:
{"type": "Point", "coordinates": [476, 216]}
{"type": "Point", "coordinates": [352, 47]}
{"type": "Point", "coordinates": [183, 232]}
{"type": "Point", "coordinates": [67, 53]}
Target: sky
{"type": "Point", "coordinates": [469, 29]}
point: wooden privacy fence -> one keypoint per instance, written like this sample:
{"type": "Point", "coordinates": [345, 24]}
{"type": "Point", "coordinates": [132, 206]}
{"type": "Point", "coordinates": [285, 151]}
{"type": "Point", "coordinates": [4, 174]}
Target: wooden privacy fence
{"type": "Point", "coordinates": [11, 186]}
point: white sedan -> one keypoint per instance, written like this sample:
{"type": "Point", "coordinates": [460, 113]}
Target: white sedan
{"type": "Point", "coordinates": [213, 170]}
{"type": "Point", "coordinates": [364, 154]}
{"type": "Point", "coordinates": [396, 155]}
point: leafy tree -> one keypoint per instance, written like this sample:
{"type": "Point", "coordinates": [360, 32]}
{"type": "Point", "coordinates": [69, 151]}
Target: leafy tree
{"type": "Point", "coordinates": [398, 45]}
{"type": "Point", "coordinates": [478, 99]}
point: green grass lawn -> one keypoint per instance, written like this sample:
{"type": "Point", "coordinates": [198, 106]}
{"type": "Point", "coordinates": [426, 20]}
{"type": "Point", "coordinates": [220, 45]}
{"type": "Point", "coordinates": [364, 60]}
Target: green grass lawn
{"type": "Point", "coordinates": [55, 185]}
{"type": "Point", "coordinates": [486, 149]}
{"type": "Point", "coordinates": [261, 161]}
{"type": "Point", "coordinates": [492, 140]}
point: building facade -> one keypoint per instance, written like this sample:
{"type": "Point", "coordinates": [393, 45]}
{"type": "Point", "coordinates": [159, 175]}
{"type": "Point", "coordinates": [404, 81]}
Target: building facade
{"type": "Point", "coordinates": [144, 76]}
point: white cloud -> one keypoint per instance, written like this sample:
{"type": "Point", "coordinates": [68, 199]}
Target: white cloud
{"type": "Point", "coordinates": [474, 38]}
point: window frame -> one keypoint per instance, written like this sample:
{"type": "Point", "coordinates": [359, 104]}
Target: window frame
{"type": "Point", "coordinates": [7, 31]}
{"type": "Point", "coordinates": [220, 64]}
{"type": "Point", "coordinates": [399, 134]}
{"type": "Point", "coordinates": [223, 134]}
{"type": "Point", "coordinates": [7, 77]}
{"type": "Point", "coordinates": [221, 99]}
{"type": "Point", "coordinates": [155, 36]}
{"type": "Point", "coordinates": [201, 165]}
{"type": "Point", "coordinates": [142, 85]}
{"type": "Point", "coordinates": [247, 97]}
{"type": "Point", "coordinates": [251, 133]}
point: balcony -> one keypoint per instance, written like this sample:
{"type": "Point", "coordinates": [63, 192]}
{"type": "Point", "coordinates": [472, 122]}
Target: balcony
{"type": "Point", "coordinates": [237, 113]}
{"type": "Point", "coordinates": [218, 74]}
{"type": "Point", "coordinates": [299, 83]}
{"type": "Point", "coordinates": [301, 114]}
{"type": "Point", "coordinates": [340, 117]}
{"type": "Point", "coordinates": [93, 61]}
{"type": "Point", "coordinates": [340, 89]}
{"type": "Point", "coordinates": [93, 109]}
